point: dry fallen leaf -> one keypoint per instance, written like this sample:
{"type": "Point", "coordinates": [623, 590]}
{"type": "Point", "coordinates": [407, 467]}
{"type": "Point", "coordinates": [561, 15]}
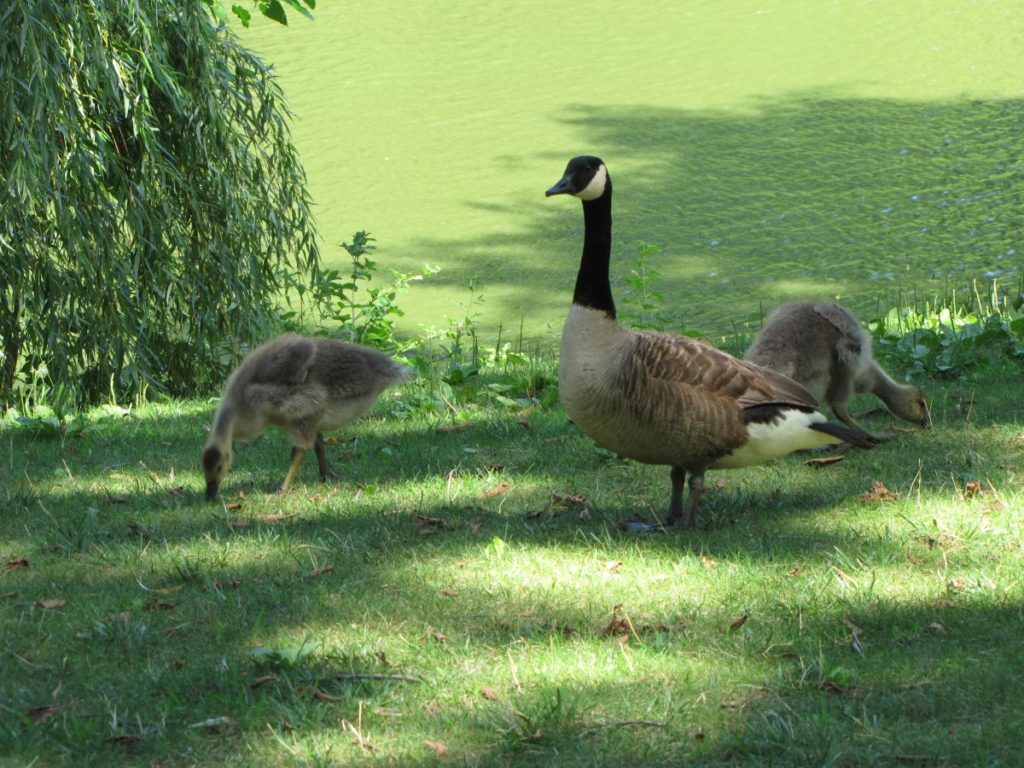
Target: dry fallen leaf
{"type": "Point", "coordinates": [707, 562]}
{"type": "Point", "coordinates": [321, 696]}
{"type": "Point", "coordinates": [793, 571]}
{"type": "Point", "coordinates": [618, 627]}
{"type": "Point", "coordinates": [490, 694]}
{"type": "Point", "coordinates": [15, 563]}
{"type": "Point", "coordinates": [276, 517]}
{"type": "Point", "coordinates": [448, 428]}
{"type": "Point", "coordinates": [992, 506]}
{"type": "Point", "coordinates": [159, 605]}
{"type": "Point", "coordinates": [125, 739]}
{"type": "Point", "coordinates": [44, 713]}
{"type": "Point", "coordinates": [973, 488]}
{"type": "Point", "coordinates": [440, 750]}
{"type": "Point", "coordinates": [261, 681]}
{"type": "Point", "coordinates": [850, 625]}
{"type": "Point", "coordinates": [879, 492]}
{"type": "Point", "coordinates": [719, 483]}
{"type": "Point", "coordinates": [614, 566]}
{"type": "Point", "coordinates": [449, 593]}
{"type": "Point", "coordinates": [937, 628]}
{"type": "Point", "coordinates": [51, 604]}
{"type": "Point", "coordinates": [497, 490]}
{"type": "Point", "coordinates": [8, 595]}
{"type": "Point", "coordinates": [321, 570]}
{"type": "Point", "coordinates": [738, 623]}
{"type": "Point", "coordinates": [167, 590]}
{"type": "Point", "coordinates": [568, 499]}
{"type": "Point", "coordinates": [432, 708]}
{"type": "Point", "coordinates": [823, 461]}
{"type": "Point", "coordinates": [214, 724]}
{"type": "Point", "coordinates": [439, 636]}
{"type": "Point", "coordinates": [233, 506]}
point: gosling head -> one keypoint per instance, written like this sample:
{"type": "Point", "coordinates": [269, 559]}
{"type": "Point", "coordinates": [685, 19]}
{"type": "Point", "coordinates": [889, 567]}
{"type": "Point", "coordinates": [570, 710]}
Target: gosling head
{"type": "Point", "coordinates": [912, 407]}
{"type": "Point", "coordinates": [216, 463]}
{"type": "Point", "coordinates": [585, 177]}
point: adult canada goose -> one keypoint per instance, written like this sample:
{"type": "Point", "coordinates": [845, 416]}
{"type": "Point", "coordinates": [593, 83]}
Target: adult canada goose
{"type": "Point", "coordinates": [823, 347]}
{"type": "Point", "coordinates": [306, 386]}
{"type": "Point", "coordinates": [664, 399]}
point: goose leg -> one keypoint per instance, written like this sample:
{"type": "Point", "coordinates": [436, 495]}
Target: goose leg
{"type": "Point", "coordinates": [297, 455]}
{"type": "Point", "coordinates": [675, 505]}
{"type": "Point", "coordinates": [696, 491]}
{"type": "Point", "coordinates": [321, 457]}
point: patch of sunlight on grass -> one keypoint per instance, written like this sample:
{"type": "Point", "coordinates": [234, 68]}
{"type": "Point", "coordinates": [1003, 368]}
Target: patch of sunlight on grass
{"type": "Point", "coordinates": [796, 288]}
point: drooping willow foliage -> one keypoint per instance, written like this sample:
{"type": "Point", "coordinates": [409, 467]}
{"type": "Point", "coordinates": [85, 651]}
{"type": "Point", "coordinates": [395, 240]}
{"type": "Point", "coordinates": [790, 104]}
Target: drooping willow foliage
{"type": "Point", "coordinates": [151, 202]}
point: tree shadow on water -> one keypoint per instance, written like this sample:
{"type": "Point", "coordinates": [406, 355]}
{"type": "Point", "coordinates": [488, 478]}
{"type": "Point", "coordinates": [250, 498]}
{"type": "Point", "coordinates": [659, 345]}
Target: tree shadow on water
{"type": "Point", "coordinates": [803, 197]}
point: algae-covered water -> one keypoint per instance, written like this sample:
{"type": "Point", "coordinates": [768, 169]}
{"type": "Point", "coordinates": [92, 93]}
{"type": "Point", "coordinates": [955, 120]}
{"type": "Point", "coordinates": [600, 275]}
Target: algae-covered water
{"type": "Point", "coordinates": [773, 149]}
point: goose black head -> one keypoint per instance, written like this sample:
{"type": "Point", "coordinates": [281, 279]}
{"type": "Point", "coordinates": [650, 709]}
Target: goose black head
{"type": "Point", "coordinates": [216, 463]}
{"type": "Point", "coordinates": [585, 177]}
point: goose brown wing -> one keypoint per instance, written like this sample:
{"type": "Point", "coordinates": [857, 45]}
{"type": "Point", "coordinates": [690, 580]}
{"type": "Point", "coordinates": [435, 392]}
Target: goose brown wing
{"type": "Point", "coordinates": [688, 362]}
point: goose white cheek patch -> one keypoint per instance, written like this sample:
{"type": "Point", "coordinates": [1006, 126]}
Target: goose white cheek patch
{"type": "Point", "coordinates": [595, 188]}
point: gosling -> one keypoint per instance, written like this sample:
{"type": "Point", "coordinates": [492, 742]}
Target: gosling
{"type": "Point", "coordinates": [823, 347]}
{"type": "Point", "coordinates": [305, 386]}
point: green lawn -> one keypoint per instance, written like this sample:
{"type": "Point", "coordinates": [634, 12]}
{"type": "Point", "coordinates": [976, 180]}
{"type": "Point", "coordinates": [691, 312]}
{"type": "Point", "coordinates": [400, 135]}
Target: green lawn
{"type": "Point", "coordinates": [481, 574]}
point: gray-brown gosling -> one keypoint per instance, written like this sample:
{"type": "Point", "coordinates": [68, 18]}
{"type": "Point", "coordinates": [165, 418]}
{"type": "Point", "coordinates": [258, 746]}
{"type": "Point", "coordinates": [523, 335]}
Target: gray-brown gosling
{"type": "Point", "coordinates": [822, 346]}
{"type": "Point", "coordinates": [664, 399]}
{"type": "Point", "coordinates": [306, 386]}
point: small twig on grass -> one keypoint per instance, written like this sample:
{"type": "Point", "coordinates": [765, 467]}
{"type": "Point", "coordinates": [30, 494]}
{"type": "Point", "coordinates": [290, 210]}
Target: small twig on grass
{"type": "Point", "coordinates": [372, 676]}
{"type": "Point", "coordinates": [623, 724]}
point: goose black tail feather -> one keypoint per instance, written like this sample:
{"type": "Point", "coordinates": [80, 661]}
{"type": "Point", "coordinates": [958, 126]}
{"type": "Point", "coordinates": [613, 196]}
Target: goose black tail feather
{"type": "Point", "coordinates": [845, 434]}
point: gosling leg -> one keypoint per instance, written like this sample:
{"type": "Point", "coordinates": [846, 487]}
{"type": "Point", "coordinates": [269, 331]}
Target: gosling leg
{"type": "Point", "coordinates": [321, 456]}
{"type": "Point", "coordinates": [847, 418]}
{"type": "Point", "coordinates": [297, 455]}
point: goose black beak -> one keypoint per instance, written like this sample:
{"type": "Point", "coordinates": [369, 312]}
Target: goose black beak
{"type": "Point", "coordinates": [211, 490]}
{"type": "Point", "coordinates": [563, 187]}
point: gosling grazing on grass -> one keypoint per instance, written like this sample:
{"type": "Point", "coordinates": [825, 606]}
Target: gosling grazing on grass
{"type": "Point", "coordinates": [664, 399]}
{"type": "Point", "coordinates": [306, 386]}
{"type": "Point", "coordinates": [823, 347]}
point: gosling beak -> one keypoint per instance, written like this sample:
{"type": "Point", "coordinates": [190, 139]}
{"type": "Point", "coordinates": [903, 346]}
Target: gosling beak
{"type": "Point", "coordinates": [211, 489]}
{"type": "Point", "coordinates": [563, 187]}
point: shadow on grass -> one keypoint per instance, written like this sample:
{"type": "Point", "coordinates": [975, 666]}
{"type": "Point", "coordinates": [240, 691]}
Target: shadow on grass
{"type": "Point", "coordinates": [208, 583]}
{"type": "Point", "coordinates": [810, 196]}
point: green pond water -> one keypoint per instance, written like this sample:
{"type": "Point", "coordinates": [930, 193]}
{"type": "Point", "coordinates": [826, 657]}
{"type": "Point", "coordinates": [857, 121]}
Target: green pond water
{"type": "Point", "coordinates": [773, 149]}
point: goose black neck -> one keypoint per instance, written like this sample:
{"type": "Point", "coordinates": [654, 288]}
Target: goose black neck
{"type": "Point", "coordinates": [593, 288]}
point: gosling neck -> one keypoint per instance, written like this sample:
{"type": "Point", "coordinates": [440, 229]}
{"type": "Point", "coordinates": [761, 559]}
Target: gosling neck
{"type": "Point", "coordinates": [223, 427]}
{"type": "Point", "coordinates": [593, 288]}
{"type": "Point", "coordinates": [885, 389]}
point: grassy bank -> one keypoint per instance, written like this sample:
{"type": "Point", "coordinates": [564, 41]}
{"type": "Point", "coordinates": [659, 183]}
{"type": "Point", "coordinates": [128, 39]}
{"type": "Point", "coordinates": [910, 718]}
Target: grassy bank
{"type": "Point", "coordinates": [464, 595]}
